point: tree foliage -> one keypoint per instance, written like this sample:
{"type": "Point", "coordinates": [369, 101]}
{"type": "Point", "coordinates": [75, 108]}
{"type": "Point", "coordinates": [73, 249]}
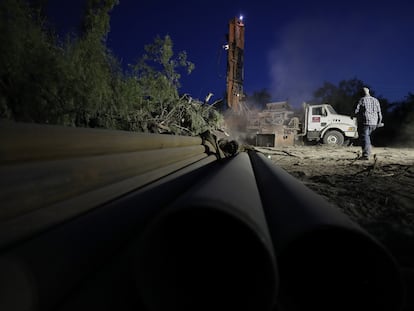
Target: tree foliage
{"type": "Point", "coordinates": [398, 117]}
{"type": "Point", "coordinates": [28, 63]}
{"type": "Point", "coordinates": [399, 123]}
{"type": "Point", "coordinates": [79, 82]}
{"type": "Point", "coordinates": [343, 97]}
{"type": "Point", "coordinates": [155, 103]}
{"type": "Point", "coordinates": [259, 99]}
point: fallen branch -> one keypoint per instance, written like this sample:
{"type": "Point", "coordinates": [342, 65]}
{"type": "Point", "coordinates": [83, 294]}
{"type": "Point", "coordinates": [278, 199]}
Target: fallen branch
{"type": "Point", "coordinates": [368, 169]}
{"type": "Point", "coordinates": [373, 166]}
{"type": "Point", "coordinates": [278, 152]}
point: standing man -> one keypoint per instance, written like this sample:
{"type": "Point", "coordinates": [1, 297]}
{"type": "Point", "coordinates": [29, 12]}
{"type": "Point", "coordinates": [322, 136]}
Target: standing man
{"type": "Point", "coordinates": [369, 115]}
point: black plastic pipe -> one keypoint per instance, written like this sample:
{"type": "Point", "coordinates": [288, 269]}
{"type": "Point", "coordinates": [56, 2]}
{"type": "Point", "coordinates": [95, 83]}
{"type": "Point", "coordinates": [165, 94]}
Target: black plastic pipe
{"type": "Point", "coordinates": [211, 249]}
{"type": "Point", "coordinates": [326, 261]}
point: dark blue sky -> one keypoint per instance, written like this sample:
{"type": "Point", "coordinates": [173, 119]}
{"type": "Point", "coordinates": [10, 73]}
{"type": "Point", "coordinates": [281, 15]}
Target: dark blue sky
{"type": "Point", "coordinates": [291, 47]}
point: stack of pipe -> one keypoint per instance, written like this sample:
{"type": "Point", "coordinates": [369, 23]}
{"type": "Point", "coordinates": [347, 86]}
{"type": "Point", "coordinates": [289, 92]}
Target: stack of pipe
{"type": "Point", "coordinates": [203, 252]}
{"type": "Point", "coordinates": [49, 174]}
{"type": "Point", "coordinates": [194, 234]}
{"type": "Point", "coordinates": [71, 196]}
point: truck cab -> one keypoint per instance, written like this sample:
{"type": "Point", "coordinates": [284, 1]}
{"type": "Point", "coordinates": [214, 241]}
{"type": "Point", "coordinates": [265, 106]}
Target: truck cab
{"type": "Point", "coordinates": [323, 123]}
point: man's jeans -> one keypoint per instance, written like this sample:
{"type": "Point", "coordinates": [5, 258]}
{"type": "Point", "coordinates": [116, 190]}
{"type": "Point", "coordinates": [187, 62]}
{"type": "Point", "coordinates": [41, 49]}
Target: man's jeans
{"type": "Point", "coordinates": [366, 139]}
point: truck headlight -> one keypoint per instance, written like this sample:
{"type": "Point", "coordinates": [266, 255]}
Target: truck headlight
{"type": "Point", "coordinates": [351, 129]}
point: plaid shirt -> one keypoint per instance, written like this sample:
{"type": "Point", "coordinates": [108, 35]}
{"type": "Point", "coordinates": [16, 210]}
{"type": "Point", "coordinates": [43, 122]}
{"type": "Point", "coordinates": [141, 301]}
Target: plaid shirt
{"type": "Point", "coordinates": [369, 109]}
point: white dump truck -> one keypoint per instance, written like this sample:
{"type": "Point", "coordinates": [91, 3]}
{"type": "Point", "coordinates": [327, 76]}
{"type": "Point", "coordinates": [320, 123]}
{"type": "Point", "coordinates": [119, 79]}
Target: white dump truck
{"type": "Point", "coordinates": [277, 125]}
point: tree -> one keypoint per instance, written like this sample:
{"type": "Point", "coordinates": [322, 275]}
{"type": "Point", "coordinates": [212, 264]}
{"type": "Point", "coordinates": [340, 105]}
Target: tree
{"type": "Point", "coordinates": [342, 97]}
{"type": "Point", "coordinates": [259, 99]}
{"type": "Point", "coordinates": [44, 81]}
{"type": "Point", "coordinates": [157, 105]}
{"type": "Point", "coordinates": [399, 124]}
{"type": "Point", "coordinates": [91, 70]}
{"type": "Point", "coordinates": [346, 95]}
{"type": "Point", "coordinates": [158, 70]}
{"type": "Point", "coordinates": [79, 82]}
{"type": "Point", "coordinates": [29, 64]}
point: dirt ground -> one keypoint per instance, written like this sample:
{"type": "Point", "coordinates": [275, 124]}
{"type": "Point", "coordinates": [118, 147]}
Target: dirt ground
{"type": "Point", "coordinates": [378, 193]}
{"type": "Point", "coordinates": [379, 190]}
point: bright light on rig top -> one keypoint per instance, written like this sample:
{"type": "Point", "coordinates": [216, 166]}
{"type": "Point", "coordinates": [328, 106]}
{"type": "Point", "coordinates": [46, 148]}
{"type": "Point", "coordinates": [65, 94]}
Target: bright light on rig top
{"type": "Point", "coordinates": [241, 18]}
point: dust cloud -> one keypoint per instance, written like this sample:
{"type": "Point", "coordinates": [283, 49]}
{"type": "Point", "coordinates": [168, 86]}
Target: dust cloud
{"type": "Point", "coordinates": [312, 50]}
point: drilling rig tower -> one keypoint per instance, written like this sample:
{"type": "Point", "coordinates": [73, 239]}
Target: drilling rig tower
{"type": "Point", "coordinates": [235, 59]}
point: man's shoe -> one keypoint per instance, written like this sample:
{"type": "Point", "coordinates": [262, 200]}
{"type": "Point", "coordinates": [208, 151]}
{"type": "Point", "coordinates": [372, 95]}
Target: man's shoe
{"type": "Point", "coordinates": [363, 158]}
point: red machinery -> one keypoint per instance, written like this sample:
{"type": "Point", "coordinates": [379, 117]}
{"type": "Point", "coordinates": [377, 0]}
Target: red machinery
{"type": "Point", "coordinates": [235, 59]}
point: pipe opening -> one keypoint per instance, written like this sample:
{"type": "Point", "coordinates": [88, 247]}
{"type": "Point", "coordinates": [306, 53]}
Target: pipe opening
{"type": "Point", "coordinates": [205, 259]}
{"type": "Point", "coordinates": [336, 269]}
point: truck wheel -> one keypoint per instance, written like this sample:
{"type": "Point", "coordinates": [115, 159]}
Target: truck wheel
{"type": "Point", "coordinates": [333, 138]}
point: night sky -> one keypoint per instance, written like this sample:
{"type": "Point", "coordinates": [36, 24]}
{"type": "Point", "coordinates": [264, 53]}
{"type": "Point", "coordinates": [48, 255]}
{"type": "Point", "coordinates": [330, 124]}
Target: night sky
{"type": "Point", "coordinates": [291, 47]}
